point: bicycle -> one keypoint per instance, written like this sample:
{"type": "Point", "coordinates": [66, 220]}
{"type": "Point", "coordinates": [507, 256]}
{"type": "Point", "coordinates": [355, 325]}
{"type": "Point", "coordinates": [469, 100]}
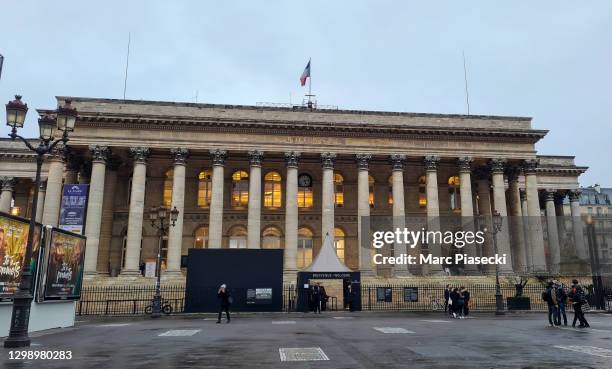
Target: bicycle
{"type": "Point", "coordinates": [436, 304]}
{"type": "Point", "coordinates": [166, 308]}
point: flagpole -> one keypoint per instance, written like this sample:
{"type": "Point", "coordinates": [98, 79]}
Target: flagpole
{"type": "Point", "coordinates": [310, 82]}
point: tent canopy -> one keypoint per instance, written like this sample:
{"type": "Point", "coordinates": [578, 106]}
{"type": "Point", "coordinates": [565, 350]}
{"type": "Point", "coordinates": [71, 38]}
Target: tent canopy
{"type": "Point", "coordinates": [327, 260]}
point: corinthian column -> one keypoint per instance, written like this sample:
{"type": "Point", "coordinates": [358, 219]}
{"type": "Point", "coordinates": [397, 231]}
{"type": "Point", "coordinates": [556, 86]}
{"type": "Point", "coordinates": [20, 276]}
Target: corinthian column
{"type": "Point", "coordinates": [433, 206]}
{"type": "Point", "coordinates": [577, 225]}
{"type": "Point", "coordinates": [254, 213]}
{"type": "Point", "coordinates": [498, 167]}
{"type": "Point", "coordinates": [538, 256]}
{"type": "Point", "coordinates": [399, 211]}
{"type": "Point", "coordinates": [6, 196]}
{"type": "Point", "coordinates": [53, 196]}
{"type": "Point", "coordinates": [327, 216]}
{"type": "Point", "coordinates": [363, 213]}
{"type": "Point", "coordinates": [135, 218]}
{"type": "Point", "coordinates": [175, 234]}
{"type": "Point", "coordinates": [215, 219]}
{"type": "Point", "coordinates": [467, 206]}
{"type": "Point", "coordinates": [99, 156]}
{"type": "Point", "coordinates": [291, 215]}
{"type": "Point", "coordinates": [554, 247]}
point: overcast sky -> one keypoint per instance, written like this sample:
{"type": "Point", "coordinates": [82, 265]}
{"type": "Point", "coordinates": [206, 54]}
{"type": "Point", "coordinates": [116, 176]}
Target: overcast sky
{"type": "Point", "coordinates": [550, 60]}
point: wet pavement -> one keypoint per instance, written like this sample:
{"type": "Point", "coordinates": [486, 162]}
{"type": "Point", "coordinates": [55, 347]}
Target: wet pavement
{"type": "Point", "coordinates": [331, 340]}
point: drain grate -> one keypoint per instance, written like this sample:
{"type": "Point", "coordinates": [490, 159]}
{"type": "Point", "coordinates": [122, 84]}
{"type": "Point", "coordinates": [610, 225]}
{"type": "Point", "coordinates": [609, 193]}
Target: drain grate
{"type": "Point", "coordinates": [179, 333]}
{"type": "Point", "coordinates": [392, 330]}
{"type": "Point", "coordinates": [302, 354]}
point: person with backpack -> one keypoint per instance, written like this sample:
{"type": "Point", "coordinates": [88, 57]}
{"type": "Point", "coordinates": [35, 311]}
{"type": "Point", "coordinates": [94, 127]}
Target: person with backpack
{"type": "Point", "coordinates": [466, 301]}
{"type": "Point", "coordinates": [562, 303]}
{"type": "Point", "coordinates": [550, 297]}
{"type": "Point", "coordinates": [578, 299]}
{"type": "Point", "coordinates": [225, 299]}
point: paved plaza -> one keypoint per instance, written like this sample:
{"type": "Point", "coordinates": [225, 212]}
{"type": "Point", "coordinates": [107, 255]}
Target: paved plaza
{"type": "Point", "coordinates": [333, 340]}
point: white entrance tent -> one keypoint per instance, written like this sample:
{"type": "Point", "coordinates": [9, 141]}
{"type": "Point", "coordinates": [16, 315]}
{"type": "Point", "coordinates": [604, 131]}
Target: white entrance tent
{"type": "Point", "coordinates": [327, 260]}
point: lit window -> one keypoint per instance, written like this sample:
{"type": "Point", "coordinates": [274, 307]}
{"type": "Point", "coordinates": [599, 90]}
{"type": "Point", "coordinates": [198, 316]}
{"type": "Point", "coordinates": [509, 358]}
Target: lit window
{"type": "Point", "coordinates": [339, 243]}
{"type": "Point", "coordinates": [454, 193]}
{"type": "Point", "coordinates": [272, 190]}
{"type": "Point", "coordinates": [238, 238]}
{"type": "Point", "coordinates": [271, 238]}
{"type": "Point", "coordinates": [371, 191]}
{"type": "Point", "coordinates": [339, 190]}
{"type": "Point", "coordinates": [168, 187]}
{"type": "Point", "coordinates": [305, 194]}
{"type": "Point", "coordinates": [304, 255]}
{"type": "Point", "coordinates": [201, 238]}
{"type": "Point", "coordinates": [204, 188]}
{"type": "Point", "coordinates": [422, 191]}
{"type": "Point", "coordinates": [240, 189]}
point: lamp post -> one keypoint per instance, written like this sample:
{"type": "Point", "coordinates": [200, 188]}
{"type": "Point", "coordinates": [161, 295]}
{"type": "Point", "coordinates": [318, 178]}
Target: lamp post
{"type": "Point", "coordinates": [499, 301]}
{"type": "Point", "coordinates": [64, 120]}
{"type": "Point", "coordinates": [158, 217]}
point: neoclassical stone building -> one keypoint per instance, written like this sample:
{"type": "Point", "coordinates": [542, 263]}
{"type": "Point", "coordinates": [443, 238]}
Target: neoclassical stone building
{"type": "Point", "coordinates": [269, 177]}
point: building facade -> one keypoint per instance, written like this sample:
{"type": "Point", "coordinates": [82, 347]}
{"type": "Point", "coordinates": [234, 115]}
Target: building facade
{"type": "Point", "coordinates": [274, 177]}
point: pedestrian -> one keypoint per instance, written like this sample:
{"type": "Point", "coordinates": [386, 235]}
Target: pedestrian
{"type": "Point", "coordinates": [447, 292]}
{"type": "Point", "coordinates": [578, 300]}
{"type": "Point", "coordinates": [316, 298]}
{"type": "Point", "coordinates": [466, 301]}
{"type": "Point", "coordinates": [561, 302]}
{"type": "Point", "coordinates": [550, 297]}
{"type": "Point", "coordinates": [456, 302]}
{"type": "Point", "coordinates": [225, 299]}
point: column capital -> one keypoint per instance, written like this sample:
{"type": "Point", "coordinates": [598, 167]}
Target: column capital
{"type": "Point", "coordinates": [574, 195]}
{"type": "Point", "coordinates": [497, 165]}
{"type": "Point", "coordinates": [530, 166]}
{"type": "Point", "coordinates": [218, 157]}
{"type": "Point", "coordinates": [328, 159]}
{"type": "Point", "coordinates": [8, 183]}
{"type": "Point", "coordinates": [292, 158]}
{"type": "Point", "coordinates": [363, 161]}
{"type": "Point", "coordinates": [397, 161]}
{"type": "Point", "coordinates": [465, 164]}
{"type": "Point", "coordinates": [513, 172]}
{"type": "Point", "coordinates": [255, 158]}
{"type": "Point", "coordinates": [140, 154]}
{"type": "Point", "coordinates": [431, 163]}
{"type": "Point", "coordinates": [179, 155]}
{"type": "Point", "coordinates": [99, 153]}
{"type": "Point", "coordinates": [549, 194]}
{"type": "Point", "coordinates": [58, 153]}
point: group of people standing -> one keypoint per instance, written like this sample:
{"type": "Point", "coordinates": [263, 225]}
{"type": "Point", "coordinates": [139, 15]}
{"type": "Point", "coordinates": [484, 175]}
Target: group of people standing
{"type": "Point", "coordinates": [457, 301]}
{"type": "Point", "coordinates": [556, 296]}
{"type": "Point", "coordinates": [318, 298]}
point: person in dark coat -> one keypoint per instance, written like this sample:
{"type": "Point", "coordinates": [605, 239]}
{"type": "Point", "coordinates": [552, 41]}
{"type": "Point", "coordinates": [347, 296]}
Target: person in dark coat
{"type": "Point", "coordinates": [578, 299]}
{"type": "Point", "coordinates": [561, 302]}
{"type": "Point", "coordinates": [457, 302]}
{"type": "Point", "coordinates": [316, 298]}
{"type": "Point", "coordinates": [447, 292]}
{"type": "Point", "coordinates": [466, 301]}
{"type": "Point", "coordinates": [225, 300]}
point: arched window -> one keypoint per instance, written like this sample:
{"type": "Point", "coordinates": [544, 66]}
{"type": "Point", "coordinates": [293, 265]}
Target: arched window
{"type": "Point", "coordinates": [304, 255]}
{"type": "Point", "coordinates": [201, 238]}
{"type": "Point", "coordinates": [271, 238]}
{"type": "Point", "coordinates": [454, 193]}
{"type": "Point", "coordinates": [238, 238]}
{"type": "Point", "coordinates": [272, 190]}
{"type": "Point", "coordinates": [240, 189]}
{"type": "Point", "coordinates": [422, 192]}
{"type": "Point", "coordinates": [168, 187]}
{"type": "Point", "coordinates": [371, 191]}
{"type": "Point", "coordinates": [390, 196]}
{"type": "Point", "coordinates": [204, 188]}
{"type": "Point", "coordinates": [305, 195]}
{"type": "Point", "coordinates": [338, 190]}
{"type": "Point", "coordinates": [339, 243]}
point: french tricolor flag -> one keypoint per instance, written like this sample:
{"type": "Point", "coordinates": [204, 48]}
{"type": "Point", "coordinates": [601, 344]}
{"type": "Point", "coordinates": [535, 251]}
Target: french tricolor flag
{"type": "Point", "coordinates": [305, 74]}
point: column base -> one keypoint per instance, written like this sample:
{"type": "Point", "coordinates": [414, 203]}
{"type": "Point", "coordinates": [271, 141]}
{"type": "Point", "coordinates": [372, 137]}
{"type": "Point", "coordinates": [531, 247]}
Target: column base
{"type": "Point", "coordinates": [129, 273]}
{"type": "Point", "coordinates": [172, 275]}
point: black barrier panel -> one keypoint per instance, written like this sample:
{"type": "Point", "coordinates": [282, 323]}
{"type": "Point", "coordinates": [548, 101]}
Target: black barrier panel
{"type": "Point", "coordinates": [254, 278]}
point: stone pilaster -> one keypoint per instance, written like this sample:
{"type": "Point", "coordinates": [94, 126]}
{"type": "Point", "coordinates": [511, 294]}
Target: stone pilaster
{"type": "Point", "coordinates": [363, 213]}
{"type": "Point", "coordinates": [254, 212]}
{"type": "Point", "coordinates": [215, 222]}
{"type": "Point", "coordinates": [175, 234]}
{"type": "Point", "coordinates": [328, 196]}
{"type": "Point", "coordinates": [93, 219]}
{"type": "Point", "coordinates": [136, 215]}
{"type": "Point", "coordinates": [291, 215]}
{"type": "Point", "coordinates": [6, 196]}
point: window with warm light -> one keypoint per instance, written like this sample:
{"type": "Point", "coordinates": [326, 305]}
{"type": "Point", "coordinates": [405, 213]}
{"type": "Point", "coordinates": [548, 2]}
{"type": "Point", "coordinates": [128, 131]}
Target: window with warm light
{"type": "Point", "coordinates": [305, 242]}
{"type": "Point", "coordinates": [168, 187]}
{"type": "Point", "coordinates": [338, 190]}
{"type": "Point", "coordinates": [271, 238]}
{"type": "Point", "coordinates": [204, 188]}
{"type": "Point", "coordinates": [238, 238]}
{"type": "Point", "coordinates": [16, 211]}
{"type": "Point", "coordinates": [371, 191]}
{"type": "Point", "coordinates": [201, 238]}
{"type": "Point", "coordinates": [422, 192]}
{"type": "Point", "coordinates": [339, 243]}
{"type": "Point", "coordinates": [454, 193]}
{"type": "Point", "coordinates": [305, 198]}
{"type": "Point", "coordinates": [272, 191]}
{"type": "Point", "coordinates": [240, 189]}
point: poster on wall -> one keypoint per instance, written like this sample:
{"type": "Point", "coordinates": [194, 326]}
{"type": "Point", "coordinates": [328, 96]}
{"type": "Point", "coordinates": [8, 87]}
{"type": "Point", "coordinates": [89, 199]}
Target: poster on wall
{"type": "Point", "coordinates": [13, 242]}
{"type": "Point", "coordinates": [74, 207]}
{"type": "Point", "coordinates": [64, 271]}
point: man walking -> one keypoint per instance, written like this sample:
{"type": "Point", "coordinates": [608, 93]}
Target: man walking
{"type": "Point", "coordinates": [550, 297]}
{"type": "Point", "coordinates": [316, 298]}
{"type": "Point", "coordinates": [578, 299]}
{"type": "Point", "coordinates": [562, 302]}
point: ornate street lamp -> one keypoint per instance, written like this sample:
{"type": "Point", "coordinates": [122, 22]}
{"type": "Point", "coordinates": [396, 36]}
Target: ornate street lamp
{"type": "Point", "coordinates": [499, 301]}
{"type": "Point", "coordinates": [15, 118]}
{"type": "Point", "coordinates": [158, 216]}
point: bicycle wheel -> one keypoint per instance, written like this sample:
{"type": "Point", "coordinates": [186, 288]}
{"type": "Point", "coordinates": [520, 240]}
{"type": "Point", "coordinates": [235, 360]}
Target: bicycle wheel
{"type": "Point", "coordinates": [167, 309]}
{"type": "Point", "coordinates": [149, 309]}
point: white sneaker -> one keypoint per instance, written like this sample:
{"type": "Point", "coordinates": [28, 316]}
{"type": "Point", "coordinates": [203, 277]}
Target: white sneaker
{"type": "Point", "coordinates": [455, 315]}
